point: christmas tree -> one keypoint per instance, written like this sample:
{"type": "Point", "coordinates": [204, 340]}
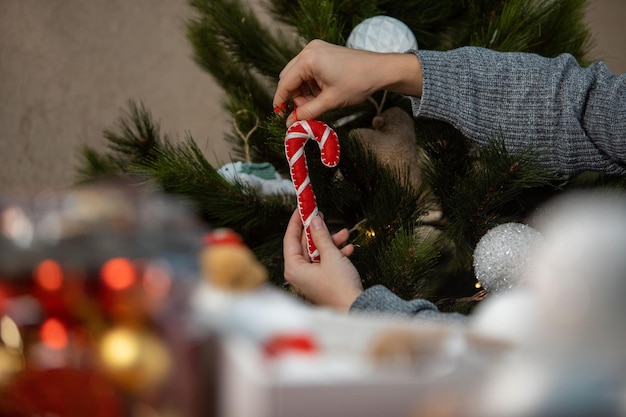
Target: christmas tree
{"type": "Point", "coordinates": [415, 215]}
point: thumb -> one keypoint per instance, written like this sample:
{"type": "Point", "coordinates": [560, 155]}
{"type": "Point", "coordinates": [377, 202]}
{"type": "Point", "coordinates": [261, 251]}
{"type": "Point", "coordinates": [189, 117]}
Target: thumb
{"type": "Point", "coordinates": [321, 236]}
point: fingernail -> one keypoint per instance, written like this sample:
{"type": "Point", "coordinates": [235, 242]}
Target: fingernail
{"type": "Point", "coordinates": [317, 223]}
{"type": "Point", "coordinates": [280, 108]}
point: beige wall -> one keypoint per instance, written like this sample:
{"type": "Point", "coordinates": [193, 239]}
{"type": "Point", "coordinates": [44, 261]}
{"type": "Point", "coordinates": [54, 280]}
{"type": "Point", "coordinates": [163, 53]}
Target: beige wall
{"type": "Point", "coordinates": [68, 66]}
{"type": "Point", "coordinates": [607, 19]}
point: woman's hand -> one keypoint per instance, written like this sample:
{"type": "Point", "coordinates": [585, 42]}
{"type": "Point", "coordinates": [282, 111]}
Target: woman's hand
{"type": "Point", "coordinates": [324, 76]}
{"type": "Point", "coordinates": [333, 281]}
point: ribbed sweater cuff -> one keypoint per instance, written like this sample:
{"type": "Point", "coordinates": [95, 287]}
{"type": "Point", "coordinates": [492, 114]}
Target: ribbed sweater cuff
{"type": "Point", "coordinates": [379, 299]}
{"type": "Point", "coordinates": [439, 72]}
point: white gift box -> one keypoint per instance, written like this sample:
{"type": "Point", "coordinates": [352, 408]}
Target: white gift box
{"type": "Point", "coordinates": [342, 378]}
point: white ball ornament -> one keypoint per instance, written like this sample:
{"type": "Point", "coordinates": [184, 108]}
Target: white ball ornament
{"type": "Point", "coordinates": [503, 254]}
{"type": "Point", "coordinates": [382, 34]}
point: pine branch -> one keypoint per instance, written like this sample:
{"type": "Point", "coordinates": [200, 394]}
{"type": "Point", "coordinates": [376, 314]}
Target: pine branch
{"type": "Point", "coordinates": [331, 22]}
{"type": "Point", "coordinates": [496, 188]}
{"type": "Point", "coordinates": [435, 24]}
{"type": "Point", "coordinates": [546, 27]}
{"type": "Point", "coordinates": [236, 79]}
{"type": "Point", "coordinates": [183, 170]}
{"type": "Point", "coordinates": [136, 150]}
{"type": "Point", "coordinates": [227, 35]}
{"type": "Point", "coordinates": [409, 266]}
{"type": "Point", "coordinates": [317, 19]}
{"type": "Point", "coordinates": [136, 134]}
{"type": "Point", "coordinates": [134, 137]}
{"type": "Point", "coordinates": [93, 164]}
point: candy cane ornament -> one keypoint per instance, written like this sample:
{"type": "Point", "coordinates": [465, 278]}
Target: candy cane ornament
{"type": "Point", "coordinates": [297, 136]}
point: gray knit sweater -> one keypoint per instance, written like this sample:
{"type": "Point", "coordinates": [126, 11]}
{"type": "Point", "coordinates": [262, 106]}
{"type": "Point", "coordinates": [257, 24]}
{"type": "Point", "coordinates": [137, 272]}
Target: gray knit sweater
{"type": "Point", "coordinates": [575, 117]}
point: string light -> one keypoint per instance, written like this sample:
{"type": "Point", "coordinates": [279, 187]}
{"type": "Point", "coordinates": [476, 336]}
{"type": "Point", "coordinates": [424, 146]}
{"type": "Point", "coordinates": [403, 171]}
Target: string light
{"type": "Point", "coordinates": [49, 275]}
{"type": "Point", "coordinates": [54, 334]}
{"type": "Point", "coordinates": [118, 273]}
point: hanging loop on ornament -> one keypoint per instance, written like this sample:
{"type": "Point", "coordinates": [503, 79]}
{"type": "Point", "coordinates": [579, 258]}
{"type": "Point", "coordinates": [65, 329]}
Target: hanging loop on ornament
{"type": "Point", "coordinates": [297, 136]}
{"type": "Point", "coordinates": [378, 106]}
{"type": "Point", "coordinates": [246, 137]}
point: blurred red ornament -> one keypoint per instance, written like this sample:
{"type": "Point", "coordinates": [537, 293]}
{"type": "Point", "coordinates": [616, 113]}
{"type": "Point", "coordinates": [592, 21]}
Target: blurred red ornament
{"type": "Point", "coordinates": [222, 236]}
{"type": "Point", "coordinates": [289, 343]}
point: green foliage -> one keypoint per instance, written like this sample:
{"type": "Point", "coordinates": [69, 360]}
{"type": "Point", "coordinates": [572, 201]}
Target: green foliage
{"type": "Point", "coordinates": [546, 27]}
{"type": "Point", "coordinates": [475, 189]}
{"type": "Point", "coordinates": [231, 43]}
{"type": "Point", "coordinates": [134, 139]}
{"type": "Point", "coordinates": [96, 165]}
{"type": "Point", "coordinates": [495, 188]}
{"type": "Point", "coordinates": [140, 153]}
{"type": "Point", "coordinates": [317, 19]}
{"type": "Point", "coordinates": [407, 265]}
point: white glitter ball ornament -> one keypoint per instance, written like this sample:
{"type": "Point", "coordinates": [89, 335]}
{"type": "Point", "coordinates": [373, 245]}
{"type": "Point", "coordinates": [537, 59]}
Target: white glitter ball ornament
{"type": "Point", "coordinates": [382, 34]}
{"type": "Point", "coordinates": [502, 256]}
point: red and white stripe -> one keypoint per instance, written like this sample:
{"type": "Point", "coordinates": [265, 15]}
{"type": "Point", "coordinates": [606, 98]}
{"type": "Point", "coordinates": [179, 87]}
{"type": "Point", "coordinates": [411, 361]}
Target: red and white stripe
{"type": "Point", "coordinates": [297, 136]}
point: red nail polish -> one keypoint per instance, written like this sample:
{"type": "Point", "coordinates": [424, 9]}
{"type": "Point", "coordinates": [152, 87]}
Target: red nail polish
{"type": "Point", "coordinates": [280, 108]}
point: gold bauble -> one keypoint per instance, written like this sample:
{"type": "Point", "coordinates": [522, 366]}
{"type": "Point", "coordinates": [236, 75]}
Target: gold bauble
{"type": "Point", "coordinates": [135, 359]}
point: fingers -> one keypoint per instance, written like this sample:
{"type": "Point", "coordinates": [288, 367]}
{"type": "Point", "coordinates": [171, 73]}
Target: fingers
{"type": "Point", "coordinates": [295, 245]}
{"type": "Point", "coordinates": [286, 85]}
{"type": "Point", "coordinates": [298, 81]}
{"type": "Point", "coordinates": [347, 250]}
{"type": "Point", "coordinates": [307, 108]}
{"type": "Point", "coordinates": [340, 238]}
{"type": "Point", "coordinates": [321, 237]}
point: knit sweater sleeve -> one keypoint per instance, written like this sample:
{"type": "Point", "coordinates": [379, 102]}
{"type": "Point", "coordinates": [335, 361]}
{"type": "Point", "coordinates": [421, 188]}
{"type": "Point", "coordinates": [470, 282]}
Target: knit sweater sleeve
{"type": "Point", "coordinates": [575, 117]}
{"type": "Point", "coordinates": [380, 300]}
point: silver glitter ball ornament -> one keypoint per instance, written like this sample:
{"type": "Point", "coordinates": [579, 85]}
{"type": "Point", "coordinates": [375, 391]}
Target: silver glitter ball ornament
{"type": "Point", "coordinates": [382, 34]}
{"type": "Point", "coordinates": [502, 255]}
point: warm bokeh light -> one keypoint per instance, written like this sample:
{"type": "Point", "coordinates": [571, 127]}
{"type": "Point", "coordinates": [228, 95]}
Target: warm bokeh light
{"type": "Point", "coordinates": [118, 273]}
{"type": "Point", "coordinates": [15, 225]}
{"type": "Point", "coordinates": [10, 333]}
{"type": "Point", "coordinates": [135, 359]}
{"type": "Point", "coordinates": [120, 349]}
{"type": "Point", "coordinates": [53, 334]}
{"type": "Point", "coordinates": [49, 275]}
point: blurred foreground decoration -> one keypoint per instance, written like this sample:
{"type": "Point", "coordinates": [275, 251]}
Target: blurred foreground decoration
{"type": "Point", "coordinates": [93, 299]}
